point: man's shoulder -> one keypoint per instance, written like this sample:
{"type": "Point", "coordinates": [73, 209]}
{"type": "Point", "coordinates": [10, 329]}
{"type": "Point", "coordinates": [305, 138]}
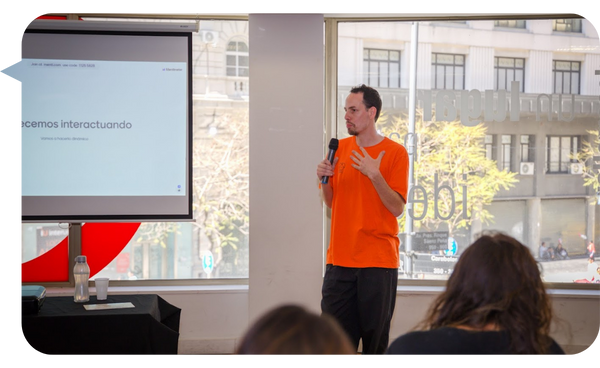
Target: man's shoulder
{"type": "Point", "coordinates": [395, 145]}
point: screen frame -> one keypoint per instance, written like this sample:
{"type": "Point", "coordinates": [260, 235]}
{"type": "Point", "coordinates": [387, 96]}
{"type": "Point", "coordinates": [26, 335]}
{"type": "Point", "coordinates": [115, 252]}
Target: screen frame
{"type": "Point", "coordinates": [124, 29]}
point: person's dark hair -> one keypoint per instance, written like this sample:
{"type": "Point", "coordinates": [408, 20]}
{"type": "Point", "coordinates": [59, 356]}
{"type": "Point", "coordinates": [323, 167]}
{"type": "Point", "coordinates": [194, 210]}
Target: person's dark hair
{"type": "Point", "coordinates": [291, 329]}
{"type": "Point", "coordinates": [497, 282]}
{"type": "Point", "coordinates": [371, 98]}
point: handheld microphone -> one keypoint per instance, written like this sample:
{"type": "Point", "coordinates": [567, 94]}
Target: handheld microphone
{"type": "Point", "coordinates": [333, 146]}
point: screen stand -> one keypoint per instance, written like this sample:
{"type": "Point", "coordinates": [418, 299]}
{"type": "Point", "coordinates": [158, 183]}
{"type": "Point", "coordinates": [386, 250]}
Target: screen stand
{"type": "Point", "coordinates": [74, 240]}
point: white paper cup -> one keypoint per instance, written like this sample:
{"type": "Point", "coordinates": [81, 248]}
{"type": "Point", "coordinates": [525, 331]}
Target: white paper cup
{"type": "Point", "coordinates": [101, 288]}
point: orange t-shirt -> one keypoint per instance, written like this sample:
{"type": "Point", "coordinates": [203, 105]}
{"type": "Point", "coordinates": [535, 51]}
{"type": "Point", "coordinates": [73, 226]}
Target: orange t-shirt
{"type": "Point", "coordinates": [364, 233]}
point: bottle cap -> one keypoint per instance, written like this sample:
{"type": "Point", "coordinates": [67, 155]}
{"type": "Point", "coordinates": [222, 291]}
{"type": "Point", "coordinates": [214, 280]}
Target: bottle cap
{"type": "Point", "coordinates": [80, 259]}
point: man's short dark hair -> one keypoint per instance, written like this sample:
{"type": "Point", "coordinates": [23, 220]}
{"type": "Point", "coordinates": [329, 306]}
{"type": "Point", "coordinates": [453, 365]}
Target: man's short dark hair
{"type": "Point", "coordinates": [371, 97]}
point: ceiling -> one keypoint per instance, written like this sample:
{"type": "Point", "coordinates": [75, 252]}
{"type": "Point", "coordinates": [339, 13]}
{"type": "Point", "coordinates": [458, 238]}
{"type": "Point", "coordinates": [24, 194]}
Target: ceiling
{"type": "Point", "coordinates": [341, 14]}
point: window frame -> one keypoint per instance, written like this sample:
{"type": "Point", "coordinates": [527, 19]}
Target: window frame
{"type": "Point", "coordinates": [527, 147]}
{"type": "Point", "coordinates": [511, 23]}
{"type": "Point", "coordinates": [367, 62]}
{"type": "Point", "coordinates": [237, 54]}
{"type": "Point", "coordinates": [506, 150]}
{"type": "Point", "coordinates": [563, 72]}
{"type": "Point", "coordinates": [490, 147]}
{"type": "Point", "coordinates": [514, 69]}
{"type": "Point", "coordinates": [571, 25]}
{"type": "Point", "coordinates": [330, 103]}
{"type": "Point", "coordinates": [574, 147]}
{"type": "Point", "coordinates": [453, 66]}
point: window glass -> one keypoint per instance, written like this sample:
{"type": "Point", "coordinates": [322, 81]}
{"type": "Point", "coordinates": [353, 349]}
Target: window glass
{"type": "Point", "coordinates": [510, 23]}
{"type": "Point", "coordinates": [527, 148]}
{"type": "Point", "coordinates": [215, 245]}
{"type": "Point", "coordinates": [566, 77]}
{"type": "Point", "coordinates": [566, 25]}
{"type": "Point", "coordinates": [381, 68]}
{"type": "Point", "coordinates": [506, 151]}
{"type": "Point", "coordinates": [448, 71]}
{"type": "Point", "coordinates": [470, 147]}
{"type": "Point", "coordinates": [237, 59]}
{"type": "Point", "coordinates": [508, 70]}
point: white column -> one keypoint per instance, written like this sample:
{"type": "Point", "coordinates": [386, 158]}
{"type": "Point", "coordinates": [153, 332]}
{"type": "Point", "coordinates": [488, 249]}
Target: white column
{"type": "Point", "coordinates": [424, 66]}
{"type": "Point", "coordinates": [590, 82]}
{"type": "Point", "coordinates": [480, 69]}
{"type": "Point", "coordinates": [538, 72]}
{"type": "Point", "coordinates": [286, 144]}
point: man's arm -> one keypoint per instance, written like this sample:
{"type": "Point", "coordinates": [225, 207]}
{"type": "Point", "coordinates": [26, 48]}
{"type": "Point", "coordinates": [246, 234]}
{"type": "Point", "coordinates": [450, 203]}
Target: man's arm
{"type": "Point", "coordinates": [370, 167]}
{"type": "Point", "coordinates": [390, 198]}
{"type": "Point", "coordinates": [325, 168]}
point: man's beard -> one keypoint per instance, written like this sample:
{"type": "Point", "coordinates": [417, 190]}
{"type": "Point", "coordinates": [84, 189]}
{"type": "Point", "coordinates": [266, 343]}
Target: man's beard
{"type": "Point", "coordinates": [352, 131]}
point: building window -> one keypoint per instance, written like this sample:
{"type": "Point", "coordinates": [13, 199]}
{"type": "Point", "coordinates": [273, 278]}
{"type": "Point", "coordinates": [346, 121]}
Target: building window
{"type": "Point", "coordinates": [527, 148]}
{"type": "Point", "coordinates": [565, 77]}
{"type": "Point", "coordinates": [559, 150]}
{"type": "Point", "coordinates": [237, 59]}
{"type": "Point", "coordinates": [448, 71]}
{"type": "Point", "coordinates": [510, 23]}
{"type": "Point", "coordinates": [506, 162]}
{"type": "Point", "coordinates": [566, 25]}
{"type": "Point", "coordinates": [489, 146]}
{"type": "Point", "coordinates": [507, 70]}
{"type": "Point", "coordinates": [381, 68]}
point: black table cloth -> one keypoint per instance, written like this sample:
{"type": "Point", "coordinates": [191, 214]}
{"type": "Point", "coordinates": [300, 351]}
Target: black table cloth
{"type": "Point", "coordinates": [65, 327]}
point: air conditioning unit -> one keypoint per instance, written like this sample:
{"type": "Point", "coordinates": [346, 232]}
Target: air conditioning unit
{"type": "Point", "coordinates": [576, 168]}
{"type": "Point", "coordinates": [210, 37]}
{"type": "Point", "coordinates": [526, 168]}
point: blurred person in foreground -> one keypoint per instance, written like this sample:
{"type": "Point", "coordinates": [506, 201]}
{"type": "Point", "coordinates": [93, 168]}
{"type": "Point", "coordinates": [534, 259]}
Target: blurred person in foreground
{"type": "Point", "coordinates": [494, 303]}
{"type": "Point", "coordinates": [291, 329]}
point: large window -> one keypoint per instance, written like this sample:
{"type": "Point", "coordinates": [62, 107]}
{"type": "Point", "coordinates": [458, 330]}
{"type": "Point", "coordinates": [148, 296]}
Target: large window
{"type": "Point", "coordinates": [483, 143]}
{"type": "Point", "coordinates": [467, 132]}
{"type": "Point", "coordinates": [216, 244]}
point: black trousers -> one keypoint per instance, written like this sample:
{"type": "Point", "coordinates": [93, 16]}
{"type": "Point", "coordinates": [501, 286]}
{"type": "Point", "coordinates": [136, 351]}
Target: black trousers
{"type": "Point", "coordinates": [362, 300]}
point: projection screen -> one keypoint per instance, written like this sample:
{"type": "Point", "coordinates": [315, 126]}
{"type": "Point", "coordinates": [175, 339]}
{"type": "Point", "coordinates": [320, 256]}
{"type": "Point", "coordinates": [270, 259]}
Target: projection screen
{"type": "Point", "coordinates": [106, 121]}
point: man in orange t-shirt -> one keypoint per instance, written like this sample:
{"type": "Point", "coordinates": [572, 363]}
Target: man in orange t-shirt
{"type": "Point", "coordinates": [366, 191]}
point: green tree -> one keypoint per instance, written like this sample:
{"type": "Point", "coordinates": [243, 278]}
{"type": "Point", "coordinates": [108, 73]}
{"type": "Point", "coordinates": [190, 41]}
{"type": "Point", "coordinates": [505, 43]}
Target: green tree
{"type": "Point", "coordinates": [589, 156]}
{"type": "Point", "coordinates": [221, 190]}
{"type": "Point", "coordinates": [220, 195]}
{"type": "Point", "coordinates": [454, 154]}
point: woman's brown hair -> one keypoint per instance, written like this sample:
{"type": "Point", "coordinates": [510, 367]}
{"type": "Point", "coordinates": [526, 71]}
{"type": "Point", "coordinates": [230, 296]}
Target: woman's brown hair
{"type": "Point", "coordinates": [497, 282]}
{"type": "Point", "coordinates": [291, 329]}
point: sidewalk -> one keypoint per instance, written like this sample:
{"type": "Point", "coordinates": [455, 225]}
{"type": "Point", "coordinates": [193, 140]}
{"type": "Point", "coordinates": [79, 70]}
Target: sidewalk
{"type": "Point", "coordinates": [578, 264]}
{"type": "Point", "coordinates": [565, 270]}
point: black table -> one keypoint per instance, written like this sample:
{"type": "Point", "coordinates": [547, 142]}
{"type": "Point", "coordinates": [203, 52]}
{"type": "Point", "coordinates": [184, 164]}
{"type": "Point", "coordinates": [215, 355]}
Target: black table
{"type": "Point", "coordinates": [65, 327]}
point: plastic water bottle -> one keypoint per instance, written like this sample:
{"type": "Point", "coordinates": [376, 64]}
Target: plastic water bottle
{"type": "Point", "coordinates": [81, 272]}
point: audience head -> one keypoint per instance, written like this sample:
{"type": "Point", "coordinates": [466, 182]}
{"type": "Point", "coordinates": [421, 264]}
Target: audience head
{"type": "Point", "coordinates": [497, 284]}
{"type": "Point", "coordinates": [291, 329]}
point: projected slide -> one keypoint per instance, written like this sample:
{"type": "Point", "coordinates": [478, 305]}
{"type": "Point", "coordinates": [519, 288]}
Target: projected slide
{"type": "Point", "coordinates": [103, 128]}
